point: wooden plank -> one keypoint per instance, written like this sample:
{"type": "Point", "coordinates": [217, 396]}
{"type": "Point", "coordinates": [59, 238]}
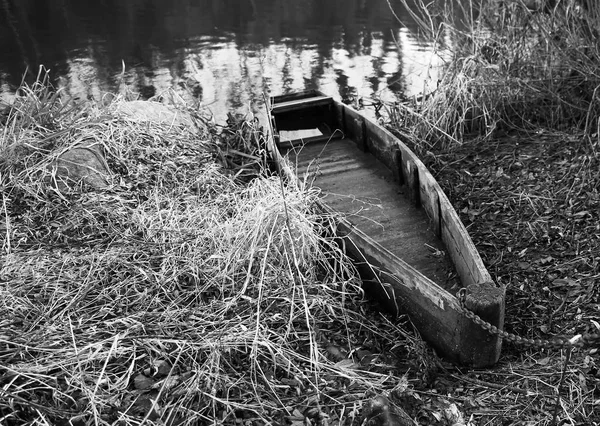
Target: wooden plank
{"type": "Point", "coordinates": [420, 182]}
{"type": "Point", "coordinates": [381, 143]}
{"type": "Point", "coordinates": [488, 301]}
{"type": "Point", "coordinates": [425, 190]}
{"type": "Point", "coordinates": [358, 185]}
{"type": "Point", "coordinates": [369, 137]}
{"type": "Point", "coordinates": [468, 263]}
{"type": "Point", "coordinates": [296, 104]}
{"type": "Point", "coordinates": [430, 201]}
{"type": "Point", "coordinates": [411, 177]}
{"type": "Point", "coordinates": [294, 143]}
{"type": "Point", "coordinates": [354, 128]}
{"type": "Point", "coordinates": [310, 93]}
{"type": "Point", "coordinates": [434, 311]}
{"type": "Point", "coordinates": [339, 114]}
{"type": "Point", "coordinates": [399, 176]}
{"type": "Point", "coordinates": [399, 286]}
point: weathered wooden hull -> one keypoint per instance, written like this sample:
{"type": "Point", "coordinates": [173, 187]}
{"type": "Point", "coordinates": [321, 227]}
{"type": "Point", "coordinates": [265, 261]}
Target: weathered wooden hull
{"type": "Point", "coordinates": [358, 158]}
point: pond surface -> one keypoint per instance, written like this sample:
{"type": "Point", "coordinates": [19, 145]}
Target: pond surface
{"type": "Point", "coordinates": [223, 53]}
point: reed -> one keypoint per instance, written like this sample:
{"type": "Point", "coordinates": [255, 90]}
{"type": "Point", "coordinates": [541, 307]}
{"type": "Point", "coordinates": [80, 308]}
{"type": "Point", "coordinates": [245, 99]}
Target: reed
{"type": "Point", "coordinates": [514, 66]}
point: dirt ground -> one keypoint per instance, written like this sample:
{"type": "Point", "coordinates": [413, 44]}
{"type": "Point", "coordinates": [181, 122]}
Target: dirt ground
{"type": "Point", "coordinates": [532, 206]}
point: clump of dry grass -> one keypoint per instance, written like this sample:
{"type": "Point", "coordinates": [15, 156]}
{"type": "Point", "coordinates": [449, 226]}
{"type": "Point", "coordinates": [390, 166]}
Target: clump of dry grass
{"type": "Point", "coordinates": [519, 65]}
{"type": "Point", "coordinates": [530, 71]}
{"type": "Point", "coordinates": [177, 295]}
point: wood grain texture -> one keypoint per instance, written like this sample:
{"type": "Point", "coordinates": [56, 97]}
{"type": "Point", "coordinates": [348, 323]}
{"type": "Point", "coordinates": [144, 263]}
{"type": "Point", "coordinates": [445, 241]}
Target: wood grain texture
{"type": "Point", "coordinates": [397, 224]}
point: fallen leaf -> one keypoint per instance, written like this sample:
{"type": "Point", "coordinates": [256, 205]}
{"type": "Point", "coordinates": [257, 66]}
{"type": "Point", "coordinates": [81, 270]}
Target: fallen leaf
{"type": "Point", "coordinates": [346, 363]}
{"type": "Point", "coordinates": [168, 383]}
{"type": "Point", "coordinates": [142, 382]}
{"type": "Point", "coordinates": [162, 368]}
{"type": "Point", "coordinates": [544, 361]}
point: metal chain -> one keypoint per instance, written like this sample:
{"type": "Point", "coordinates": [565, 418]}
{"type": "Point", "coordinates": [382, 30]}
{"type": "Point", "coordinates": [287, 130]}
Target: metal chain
{"type": "Point", "coordinates": [581, 340]}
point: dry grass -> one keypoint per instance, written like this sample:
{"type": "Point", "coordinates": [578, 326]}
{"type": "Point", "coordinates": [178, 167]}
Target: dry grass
{"type": "Point", "coordinates": [513, 66]}
{"type": "Point", "coordinates": [188, 292]}
{"type": "Point", "coordinates": [194, 290]}
{"type": "Point", "coordinates": [511, 133]}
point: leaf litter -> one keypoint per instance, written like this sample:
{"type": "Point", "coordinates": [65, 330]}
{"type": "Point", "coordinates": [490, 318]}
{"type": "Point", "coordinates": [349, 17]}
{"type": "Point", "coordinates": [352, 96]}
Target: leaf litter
{"type": "Point", "coordinates": [192, 289]}
{"type": "Point", "coordinates": [531, 204]}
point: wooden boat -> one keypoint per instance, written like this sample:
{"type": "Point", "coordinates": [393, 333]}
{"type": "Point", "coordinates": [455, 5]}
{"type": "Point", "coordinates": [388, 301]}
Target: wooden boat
{"type": "Point", "coordinates": [409, 245]}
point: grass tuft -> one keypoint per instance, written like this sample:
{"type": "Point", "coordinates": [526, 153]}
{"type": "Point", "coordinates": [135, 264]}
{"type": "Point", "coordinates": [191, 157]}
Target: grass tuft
{"type": "Point", "coordinates": [513, 66]}
{"type": "Point", "coordinates": [192, 289]}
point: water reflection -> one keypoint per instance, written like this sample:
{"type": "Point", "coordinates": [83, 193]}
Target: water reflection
{"type": "Point", "coordinates": [224, 53]}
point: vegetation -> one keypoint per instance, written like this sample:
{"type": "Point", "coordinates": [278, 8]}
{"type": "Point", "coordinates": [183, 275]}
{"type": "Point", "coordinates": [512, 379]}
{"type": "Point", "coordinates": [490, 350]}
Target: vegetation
{"type": "Point", "coordinates": [511, 133]}
{"type": "Point", "coordinates": [513, 65]}
{"type": "Point", "coordinates": [192, 289]}
{"type": "Point", "coordinates": [196, 289]}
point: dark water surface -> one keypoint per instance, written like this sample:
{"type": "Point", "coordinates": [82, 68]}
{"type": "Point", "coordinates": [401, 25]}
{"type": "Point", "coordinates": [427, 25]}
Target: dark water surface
{"type": "Point", "coordinates": [224, 53]}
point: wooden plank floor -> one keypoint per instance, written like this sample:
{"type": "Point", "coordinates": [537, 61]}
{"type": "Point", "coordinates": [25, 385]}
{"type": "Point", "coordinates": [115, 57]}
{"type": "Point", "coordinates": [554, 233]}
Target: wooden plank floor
{"type": "Point", "coordinates": [358, 186]}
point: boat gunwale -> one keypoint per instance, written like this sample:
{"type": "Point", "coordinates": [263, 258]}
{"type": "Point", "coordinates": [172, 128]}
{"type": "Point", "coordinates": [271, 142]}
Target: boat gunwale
{"type": "Point", "coordinates": [447, 316]}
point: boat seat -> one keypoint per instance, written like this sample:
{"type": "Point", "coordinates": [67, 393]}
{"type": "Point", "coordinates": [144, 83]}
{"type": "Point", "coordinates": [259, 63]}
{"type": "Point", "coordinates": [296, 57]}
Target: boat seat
{"type": "Point", "coordinates": [297, 104]}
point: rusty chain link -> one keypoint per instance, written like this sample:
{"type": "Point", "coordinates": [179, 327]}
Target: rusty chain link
{"type": "Point", "coordinates": [580, 340]}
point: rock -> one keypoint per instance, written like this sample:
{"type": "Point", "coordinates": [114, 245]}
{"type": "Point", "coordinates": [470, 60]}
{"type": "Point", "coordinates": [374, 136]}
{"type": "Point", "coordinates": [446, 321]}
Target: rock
{"type": "Point", "coordinates": [379, 411]}
{"type": "Point", "coordinates": [155, 112]}
{"type": "Point", "coordinates": [84, 163]}
{"type": "Point", "coordinates": [142, 382]}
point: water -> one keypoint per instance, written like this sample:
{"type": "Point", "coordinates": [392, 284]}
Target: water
{"type": "Point", "coordinates": [223, 53]}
